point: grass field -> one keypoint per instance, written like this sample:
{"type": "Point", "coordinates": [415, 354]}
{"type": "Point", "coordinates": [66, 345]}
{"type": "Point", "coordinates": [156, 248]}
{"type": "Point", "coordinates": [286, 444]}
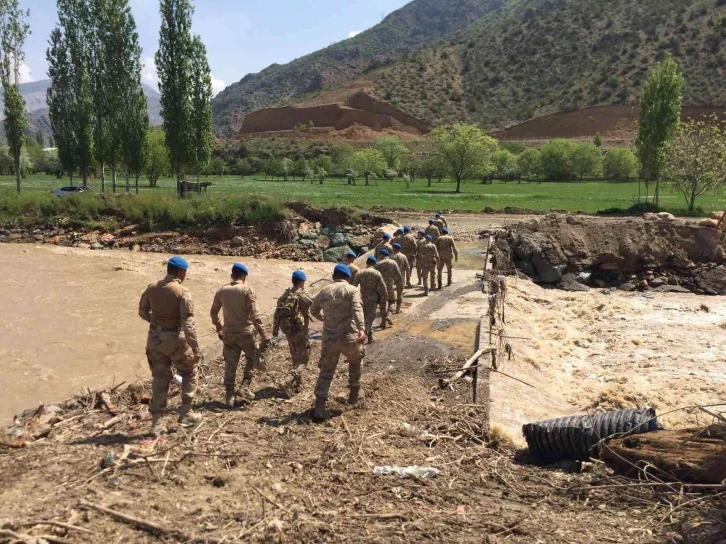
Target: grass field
{"type": "Point", "coordinates": [586, 197]}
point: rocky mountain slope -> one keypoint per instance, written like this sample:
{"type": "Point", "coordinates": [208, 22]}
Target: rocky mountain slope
{"type": "Point", "coordinates": [498, 63]}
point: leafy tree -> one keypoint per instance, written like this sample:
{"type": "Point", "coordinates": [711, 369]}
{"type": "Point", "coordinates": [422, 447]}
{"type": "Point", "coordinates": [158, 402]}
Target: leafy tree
{"type": "Point", "coordinates": [598, 140]}
{"type": "Point", "coordinates": [104, 57]}
{"type": "Point", "coordinates": [620, 164]}
{"type": "Point", "coordinates": [324, 162]}
{"type": "Point", "coordinates": [660, 112]}
{"type": "Point", "coordinates": [174, 67]}
{"type": "Point", "coordinates": [411, 166]}
{"type": "Point", "coordinates": [61, 101]}
{"type": "Point", "coordinates": [272, 167]}
{"type": "Point", "coordinates": [217, 167]}
{"type": "Point", "coordinates": [341, 155]}
{"type": "Point", "coordinates": [586, 160]}
{"type": "Point", "coordinates": [432, 167]}
{"type": "Point", "coordinates": [300, 168]}
{"type": "Point", "coordinates": [696, 159]}
{"type": "Point", "coordinates": [530, 163]}
{"type": "Point", "coordinates": [13, 32]}
{"type": "Point", "coordinates": [243, 167]}
{"type": "Point", "coordinates": [157, 157]}
{"type": "Point", "coordinates": [556, 157]}
{"type": "Point", "coordinates": [286, 167]}
{"type": "Point", "coordinates": [506, 166]}
{"type": "Point", "coordinates": [464, 149]}
{"type": "Point", "coordinates": [393, 150]}
{"type": "Point", "coordinates": [137, 129]}
{"type": "Point", "coordinates": [369, 162]}
{"type": "Point", "coordinates": [39, 139]}
{"type": "Point", "coordinates": [201, 107]}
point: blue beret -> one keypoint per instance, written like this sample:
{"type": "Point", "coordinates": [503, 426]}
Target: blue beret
{"type": "Point", "coordinates": [399, 231]}
{"type": "Point", "coordinates": [397, 245]}
{"type": "Point", "coordinates": [431, 221]}
{"type": "Point", "coordinates": [445, 230]}
{"type": "Point", "coordinates": [240, 268]}
{"type": "Point", "coordinates": [351, 254]}
{"type": "Point", "coordinates": [386, 236]}
{"type": "Point", "coordinates": [384, 252]}
{"type": "Point", "coordinates": [422, 231]}
{"type": "Point", "coordinates": [179, 263]}
{"type": "Point", "coordinates": [372, 259]}
{"type": "Point", "coordinates": [438, 214]}
{"type": "Point", "coordinates": [299, 275]}
{"type": "Point", "coordinates": [342, 269]}
{"type": "Point", "coordinates": [406, 229]}
{"type": "Point", "coordinates": [429, 237]}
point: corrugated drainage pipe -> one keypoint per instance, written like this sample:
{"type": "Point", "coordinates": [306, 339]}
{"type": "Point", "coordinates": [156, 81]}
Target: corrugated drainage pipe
{"type": "Point", "coordinates": [572, 438]}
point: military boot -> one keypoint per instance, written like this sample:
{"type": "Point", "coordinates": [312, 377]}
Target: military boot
{"type": "Point", "coordinates": [426, 292]}
{"type": "Point", "coordinates": [389, 320]}
{"type": "Point", "coordinates": [229, 400]}
{"type": "Point", "coordinates": [188, 417]}
{"type": "Point", "coordinates": [449, 283]}
{"type": "Point", "coordinates": [353, 396]}
{"type": "Point", "coordinates": [157, 429]}
{"type": "Point", "coordinates": [384, 322]}
{"type": "Point", "coordinates": [245, 393]}
{"type": "Point", "coordinates": [319, 414]}
{"type": "Point", "coordinates": [440, 287]}
{"type": "Point", "coordinates": [398, 306]}
{"type": "Point", "coordinates": [370, 337]}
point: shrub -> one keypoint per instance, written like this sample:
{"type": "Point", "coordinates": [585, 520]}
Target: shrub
{"type": "Point", "coordinates": [620, 164]}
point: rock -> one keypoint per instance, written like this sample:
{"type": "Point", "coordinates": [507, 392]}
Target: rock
{"type": "Point", "coordinates": [548, 273]}
{"type": "Point", "coordinates": [91, 237]}
{"type": "Point", "coordinates": [328, 231]}
{"type": "Point", "coordinates": [672, 280]}
{"type": "Point", "coordinates": [627, 287]}
{"type": "Point", "coordinates": [657, 282]}
{"type": "Point", "coordinates": [106, 238]}
{"type": "Point", "coordinates": [712, 281]}
{"type": "Point", "coordinates": [15, 236]}
{"type": "Point", "coordinates": [135, 248]}
{"type": "Point", "coordinates": [708, 223]}
{"type": "Point", "coordinates": [601, 284]}
{"type": "Point", "coordinates": [335, 254]}
{"type": "Point", "coordinates": [307, 243]}
{"type": "Point", "coordinates": [717, 215]}
{"type": "Point", "coordinates": [38, 237]}
{"type": "Point", "coordinates": [671, 289]}
{"type": "Point", "coordinates": [570, 283]}
{"type": "Point", "coordinates": [303, 228]}
{"type": "Point", "coordinates": [96, 245]}
{"type": "Point", "coordinates": [237, 241]}
{"type": "Point", "coordinates": [339, 239]}
{"type": "Point", "coordinates": [311, 235]}
{"type": "Point", "coordinates": [527, 268]}
{"type": "Point", "coordinates": [359, 242]}
{"type": "Point", "coordinates": [82, 245]}
{"type": "Point", "coordinates": [665, 216]}
{"type": "Point", "coordinates": [609, 267]}
{"type": "Point", "coordinates": [643, 285]}
{"type": "Point", "coordinates": [650, 216]}
{"type": "Point", "coordinates": [129, 230]}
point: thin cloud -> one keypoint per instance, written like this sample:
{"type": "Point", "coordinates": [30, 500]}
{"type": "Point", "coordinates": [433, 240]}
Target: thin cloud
{"type": "Point", "coordinates": [26, 74]}
{"type": "Point", "coordinates": [353, 33]}
{"type": "Point", "coordinates": [151, 77]}
{"type": "Point", "coordinates": [217, 86]}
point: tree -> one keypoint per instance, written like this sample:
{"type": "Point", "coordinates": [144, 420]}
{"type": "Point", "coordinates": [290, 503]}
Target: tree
{"type": "Point", "coordinates": [61, 100]}
{"type": "Point", "coordinates": [39, 139]}
{"type": "Point", "coordinates": [660, 113]}
{"type": "Point", "coordinates": [464, 149]}
{"type": "Point", "coordinates": [432, 167]}
{"type": "Point", "coordinates": [300, 168]}
{"type": "Point", "coordinates": [393, 150]}
{"type": "Point", "coordinates": [243, 167]}
{"type": "Point", "coordinates": [368, 162]}
{"type": "Point", "coordinates": [506, 167]}
{"type": "Point", "coordinates": [529, 162]}
{"type": "Point", "coordinates": [324, 163]}
{"type": "Point", "coordinates": [157, 157]}
{"type": "Point", "coordinates": [586, 160]}
{"type": "Point", "coordinates": [620, 164]}
{"type": "Point", "coordinates": [286, 167]}
{"type": "Point", "coordinates": [217, 167]}
{"type": "Point", "coordinates": [137, 129]}
{"type": "Point", "coordinates": [13, 32]}
{"type": "Point", "coordinates": [696, 159]}
{"type": "Point", "coordinates": [598, 140]}
{"type": "Point", "coordinates": [201, 107]}
{"type": "Point", "coordinates": [341, 155]}
{"type": "Point", "coordinates": [556, 157]}
{"type": "Point", "coordinates": [174, 68]}
{"type": "Point", "coordinates": [106, 87]}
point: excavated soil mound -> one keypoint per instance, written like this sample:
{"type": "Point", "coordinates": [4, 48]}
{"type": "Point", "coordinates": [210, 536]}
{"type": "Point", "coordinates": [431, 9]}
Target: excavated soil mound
{"type": "Point", "coordinates": [655, 253]}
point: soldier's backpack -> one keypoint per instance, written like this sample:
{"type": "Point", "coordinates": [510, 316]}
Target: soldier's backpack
{"type": "Point", "coordinates": [289, 313]}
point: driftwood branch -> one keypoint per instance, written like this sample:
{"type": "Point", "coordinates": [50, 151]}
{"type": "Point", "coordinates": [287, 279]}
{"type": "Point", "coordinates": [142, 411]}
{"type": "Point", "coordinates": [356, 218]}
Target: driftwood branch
{"type": "Point", "coordinates": [474, 358]}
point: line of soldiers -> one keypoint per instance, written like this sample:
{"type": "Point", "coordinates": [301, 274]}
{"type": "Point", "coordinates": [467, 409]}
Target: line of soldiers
{"type": "Point", "coordinates": [347, 308]}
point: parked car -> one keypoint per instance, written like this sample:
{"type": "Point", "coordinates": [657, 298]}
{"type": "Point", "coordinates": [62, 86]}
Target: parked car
{"type": "Point", "coordinates": [67, 191]}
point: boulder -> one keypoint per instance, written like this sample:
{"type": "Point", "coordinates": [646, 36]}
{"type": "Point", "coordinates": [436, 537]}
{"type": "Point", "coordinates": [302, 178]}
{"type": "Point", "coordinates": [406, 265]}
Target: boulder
{"type": "Point", "coordinates": [307, 243]}
{"type": "Point", "coordinates": [335, 254]}
{"type": "Point", "coordinates": [237, 241]}
{"type": "Point", "coordinates": [310, 235]}
{"type": "Point", "coordinates": [657, 282]}
{"type": "Point", "coordinates": [708, 223]}
{"type": "Point", "coordinates": [91, 237]}
{"type": "Point", "coordinates": [96, 245]}
{"type": "Point", "coordinates": [712, 281]}
{"type": "Point", "coordinates": [665, 216]}
{"type": "Point", "coordinates": [671, 289]}
{"type": "Point", "coordinates": [339, 239]}
{"type": "Point", "coordinates": [359, 242]}
{"type": "Point", "coordinates": [15, 236]}
{"type": "Point", "coordinates": [328, 231]}
{"type": "Point", "coordinates": [548, 272]}
{"type": "Point", "coordinates": [570, 283]}
{"type": "Point", "coordinates": [627, 287]}
{"type": "Point", "coordinates": [717, 215]}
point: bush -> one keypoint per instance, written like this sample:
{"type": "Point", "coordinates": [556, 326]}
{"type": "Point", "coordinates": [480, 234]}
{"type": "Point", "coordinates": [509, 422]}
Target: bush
{"type": "Point", "coordinates": [620, 164]}
{"type": "Point", "coordinates": [556, 160]}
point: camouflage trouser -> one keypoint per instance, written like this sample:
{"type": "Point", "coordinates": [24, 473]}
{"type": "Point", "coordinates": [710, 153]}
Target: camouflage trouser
{"type": "Point", "coordinates": [329, 357]}
{"type": "Point", "coordinates": [236, 343]}
{"type": "Point", "coordinates": [369, 311]}
{"type": "Point", "coordinates": [300, 353]}
{"type": "Point", "coordinates": [164, 349]}
{"type": "Point", "coordinates": [411, 267]}
{"type": "Point", "coordinates": [429, 275]}
{"type": "Point", "coordinates": [447, 264]}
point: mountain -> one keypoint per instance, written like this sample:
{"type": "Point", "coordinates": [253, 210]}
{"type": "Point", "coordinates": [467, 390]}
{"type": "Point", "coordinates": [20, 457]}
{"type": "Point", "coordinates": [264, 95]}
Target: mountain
{"type": "Point", "coordinates": [411, 28]}
{"type": "Point", "coordinates": [36, 106]}
{"type": "Point", "coordinates": [500, 63]}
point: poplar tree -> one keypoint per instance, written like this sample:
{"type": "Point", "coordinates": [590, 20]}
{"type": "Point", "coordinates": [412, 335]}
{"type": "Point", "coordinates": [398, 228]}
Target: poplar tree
{"type": "Point", "coordinates": [201, 107]}
{"type": "Point", "coordinates": [61, 99]}
{"type": "Point", "coordinates": [173, 64]}
{"type": "Point", "coordinates": [13, 32]}
{"type": "Point", "coordinates": [102, 110]}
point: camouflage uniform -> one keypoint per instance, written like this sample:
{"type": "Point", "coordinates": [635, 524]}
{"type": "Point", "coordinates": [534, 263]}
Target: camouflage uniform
{"type": "Point", "coordinates": [168, 307]}
{"type": "Point", "coordinates": [433, 231]}
{"type": "Point", "coordinates": [372, 290]}
{"type": "Point", "coordinates": [429, 260]}
{"type": "Point", "coordinates": [342, 322]}
{"type": "Point", "coordinates": [353, 273]}
{"type": "Point", "coordinates": [419, 246]}
{"type": "Point", "coordinates": [241, 318]}
{"type": "Point", "coordinates": [439, 224]}
{"type": "Point", "coordinates": [443, 220]}
{"type": "Point", "coordinates": [394, 282]}
{"type": "Point", "coordinates": [404, 267]}
{"type": "Point", "coordinates": [298, 341]}
{"type": "Point", "coordinates": [409, 249]}
{"type": "Point", "coordinates": [447, 251]}
{"type": "Point", "coordinates": [383, 245]}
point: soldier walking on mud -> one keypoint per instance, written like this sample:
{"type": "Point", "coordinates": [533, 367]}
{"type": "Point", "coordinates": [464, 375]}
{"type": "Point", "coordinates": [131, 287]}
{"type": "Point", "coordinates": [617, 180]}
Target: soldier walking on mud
{"type": "Point", "coordinates": [420, 242]}
{"type": "Point", "coordinates": [408, 248]}
{"type": "Point", "coordinates": [340, 308]}
{"type": "Point", "coordinates": [385, 243]}
{"type": "Point", "coordinates": [169, 309]}
{"type": "Point", "coordinates": [402, 263]}
{"type": "Point", "coordinates": [350, 258]}
{"type": "Point", "coordinates": [440, 218]}
{"type": "Point", "coordinates": [292, 316]}
{"type": "Point", "coordinates": [394, 284]}
{"type": "Point", "coordinates": [446, 247]}
{"type": "Point", "coordinates": [429, 260]}
{"type": "Point", "coordinates": [373, 292]}
{"type": "Point", "coordinates": [241, 318]}
{"type": "Point", "coordinates": [433, 231]}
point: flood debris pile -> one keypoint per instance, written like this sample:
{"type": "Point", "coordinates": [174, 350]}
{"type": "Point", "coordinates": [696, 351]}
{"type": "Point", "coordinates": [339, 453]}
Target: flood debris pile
{"type": "Point", "coordinates": [577, 253]}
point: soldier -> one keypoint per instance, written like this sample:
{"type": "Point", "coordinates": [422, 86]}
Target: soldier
{"type": "Point", "coordinates": [292, 315]}
{"type": "Point", "coordinates": [447, 249]}
{"type": "Point", "coordinates": [394, 283]}
{"type": "Point", "coordinates": [440, 217]}
{"type": "Point", "coordinates": [350, 258]}
{"type": "Point", "coordinates": [241, 318]}
{"type": "Point", "coordinates": [439, 224]}
{"type": "Point", "coordinates": [340, 308]}
{"type": "Point", "coordinates": [429, 260]}
{"type": "Point", "coordinates": [420, 242]}
{"type": "Point", "coordinates": [408, 248]}
{"type": "Point", "coordinates": [433, 231]}
{"type": "Point", "coordinates": [373, 292]}
{"type": "Point", "coordinates": [384, 244]}
{"type": "Point", "coordinates": [169, 309]}
{"type": "Point", "coordinates": [403, 266]}
{"type": "Point", "coordinates": [397, 235]}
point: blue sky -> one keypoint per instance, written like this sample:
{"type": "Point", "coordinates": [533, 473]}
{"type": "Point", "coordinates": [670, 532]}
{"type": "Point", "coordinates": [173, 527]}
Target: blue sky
{"type": "Point", "coordinates": [241, 36]}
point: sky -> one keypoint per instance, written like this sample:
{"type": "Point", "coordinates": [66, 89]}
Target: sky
{"type": "Point", "coordinates": [242, 36]}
